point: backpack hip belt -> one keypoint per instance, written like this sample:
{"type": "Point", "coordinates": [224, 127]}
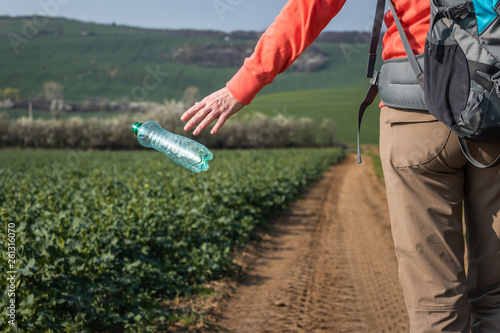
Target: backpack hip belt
{"type": "Point", "coordinates": [398, 86]}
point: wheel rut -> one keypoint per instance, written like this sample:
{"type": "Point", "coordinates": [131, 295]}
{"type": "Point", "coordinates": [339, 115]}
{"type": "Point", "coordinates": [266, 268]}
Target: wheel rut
{"type": "Point", "coordinates": [326, 265]}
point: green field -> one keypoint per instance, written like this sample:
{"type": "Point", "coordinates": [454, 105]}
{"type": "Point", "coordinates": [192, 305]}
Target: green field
{"type": "Point", "coordinates": [115, 61]}
{"type": "Point", "coordinates": [340, 105]}
{"type": "Point", "coordinates": [103, 238]}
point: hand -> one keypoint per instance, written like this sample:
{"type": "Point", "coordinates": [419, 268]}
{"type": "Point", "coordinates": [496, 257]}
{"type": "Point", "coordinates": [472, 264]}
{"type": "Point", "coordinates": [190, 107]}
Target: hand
{"type": "Point", "coordinates": [219, 105]}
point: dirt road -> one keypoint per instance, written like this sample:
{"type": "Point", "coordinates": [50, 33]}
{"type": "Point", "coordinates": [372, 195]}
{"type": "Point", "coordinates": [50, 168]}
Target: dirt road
{"type": "Point", "coordinates": [328, 265]}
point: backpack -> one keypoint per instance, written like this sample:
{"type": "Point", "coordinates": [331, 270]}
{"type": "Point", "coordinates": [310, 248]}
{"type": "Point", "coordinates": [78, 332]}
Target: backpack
{"type": "Point", "coordinates": [461, 82]}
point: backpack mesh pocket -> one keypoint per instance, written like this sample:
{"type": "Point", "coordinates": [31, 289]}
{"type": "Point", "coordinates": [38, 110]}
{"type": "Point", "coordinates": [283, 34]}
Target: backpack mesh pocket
{"type": "Point", "coordinates": [447, 81]}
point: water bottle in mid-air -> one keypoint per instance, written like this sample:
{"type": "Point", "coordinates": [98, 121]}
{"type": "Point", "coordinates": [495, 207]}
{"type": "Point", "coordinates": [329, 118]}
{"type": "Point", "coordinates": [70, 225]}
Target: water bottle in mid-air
{"type": "Point", "coordinates": [188, 153]}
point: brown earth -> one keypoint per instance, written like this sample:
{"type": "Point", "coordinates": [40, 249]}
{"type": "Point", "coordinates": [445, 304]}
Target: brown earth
{"type": "Point", "coordinates": [327, 265]}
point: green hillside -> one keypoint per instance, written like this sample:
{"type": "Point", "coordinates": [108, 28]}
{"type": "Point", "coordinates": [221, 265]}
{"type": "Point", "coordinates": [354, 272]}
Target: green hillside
{"type": "Point", "coordinates": [110, 61]}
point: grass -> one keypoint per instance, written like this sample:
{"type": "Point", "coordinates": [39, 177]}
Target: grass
{"type": "Point", "coordinates": [377, 164]}
{"type": "Point", "coordinates": [340, 105]}
{"type": "Point", "coordinates": [193, 312]}
{"type": "Point", "coordinates": [115, 61]}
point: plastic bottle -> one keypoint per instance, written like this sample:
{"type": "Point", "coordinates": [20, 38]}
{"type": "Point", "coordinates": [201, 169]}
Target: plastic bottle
{"type": "Point", "coordinates": [184, 151]}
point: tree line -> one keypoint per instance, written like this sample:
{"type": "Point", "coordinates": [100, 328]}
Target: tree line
{"type": "Point", "coordinates": [253, 130]}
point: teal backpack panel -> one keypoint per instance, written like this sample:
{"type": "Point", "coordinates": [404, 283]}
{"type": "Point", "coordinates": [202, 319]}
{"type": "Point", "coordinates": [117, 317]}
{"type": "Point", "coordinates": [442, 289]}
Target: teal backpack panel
{"type": "Point", "coordinates": [485, 13]}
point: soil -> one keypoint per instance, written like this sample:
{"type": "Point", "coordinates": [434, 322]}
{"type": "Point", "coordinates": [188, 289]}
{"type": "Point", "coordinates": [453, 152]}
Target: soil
{"type": "Point", "coordinates": [326, 265]}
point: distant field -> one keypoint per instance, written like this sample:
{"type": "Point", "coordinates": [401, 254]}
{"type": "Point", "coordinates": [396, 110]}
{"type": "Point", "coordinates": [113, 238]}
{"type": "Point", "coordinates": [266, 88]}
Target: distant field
{"type": "Point", "coordinates": [116, 60]}
{"type": "Point", "coordinates": [340, 105]}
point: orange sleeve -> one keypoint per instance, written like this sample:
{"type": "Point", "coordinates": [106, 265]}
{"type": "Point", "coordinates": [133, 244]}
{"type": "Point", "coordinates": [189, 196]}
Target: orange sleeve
{"type": "Point", "coordinates": [414, 17]}
{"type": "Point", "coordinates": [299, 23]}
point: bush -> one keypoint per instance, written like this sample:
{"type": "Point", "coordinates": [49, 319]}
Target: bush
{"type": "Point", "coordinates": [10, 93]}
{"type": "Point", "coordinates": [249, 131]}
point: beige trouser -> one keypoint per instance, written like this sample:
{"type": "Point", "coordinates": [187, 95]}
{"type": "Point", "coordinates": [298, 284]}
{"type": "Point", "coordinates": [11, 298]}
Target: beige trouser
{"type": "Point", "coordinates": [429, 184]}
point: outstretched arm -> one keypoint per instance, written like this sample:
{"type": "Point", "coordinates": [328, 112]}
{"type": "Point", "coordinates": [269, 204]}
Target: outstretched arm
{"type": "Point", "coordinates": [294, 29]}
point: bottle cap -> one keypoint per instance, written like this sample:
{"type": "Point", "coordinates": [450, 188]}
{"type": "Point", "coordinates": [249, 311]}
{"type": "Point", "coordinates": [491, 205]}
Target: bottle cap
{"type": "Point", "coordinates": [135, 127]}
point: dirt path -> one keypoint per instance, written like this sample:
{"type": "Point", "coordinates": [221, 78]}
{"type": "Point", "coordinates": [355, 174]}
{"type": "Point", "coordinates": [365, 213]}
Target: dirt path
{"type": "Point", "coordinates": [327, 266]}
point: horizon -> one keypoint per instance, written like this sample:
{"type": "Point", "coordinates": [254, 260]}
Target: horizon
{"type": "Point", "coordinates": [150, 28]}
{"type": "Point", "coordinates": [216, 15]}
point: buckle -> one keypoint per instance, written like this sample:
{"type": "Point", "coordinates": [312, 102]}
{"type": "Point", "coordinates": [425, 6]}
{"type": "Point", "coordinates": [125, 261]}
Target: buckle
{"type": "Point", "coordinates": [374, 79]}
{"type": "Point", "coordinates": [496, 85]}
{"type": "Point", "coordinates": [458, 11]}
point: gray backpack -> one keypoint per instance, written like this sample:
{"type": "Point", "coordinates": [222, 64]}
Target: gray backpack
{"type": "Point", "coordinates": [460, 85]}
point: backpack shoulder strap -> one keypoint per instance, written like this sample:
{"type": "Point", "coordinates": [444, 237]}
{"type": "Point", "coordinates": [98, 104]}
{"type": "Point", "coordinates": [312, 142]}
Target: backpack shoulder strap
{"type": "Point", "coordinates": [377, 28]}
{"type": "Point", "coordinates": [406, 44]}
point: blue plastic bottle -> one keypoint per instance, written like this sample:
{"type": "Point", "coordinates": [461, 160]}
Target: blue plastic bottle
{"type": "Point", "coordinates": [184, 151]}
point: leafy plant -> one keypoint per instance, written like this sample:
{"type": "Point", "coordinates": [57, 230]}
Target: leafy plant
{"type": "Point", "coordinates": [103, 237]}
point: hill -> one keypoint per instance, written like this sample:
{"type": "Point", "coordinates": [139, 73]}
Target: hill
{"type": "Point", "coordinates": [110, 61]}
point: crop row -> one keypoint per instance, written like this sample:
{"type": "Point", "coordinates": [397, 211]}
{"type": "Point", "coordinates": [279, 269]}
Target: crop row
{"type": "Point", "coordinates": [103, 237]}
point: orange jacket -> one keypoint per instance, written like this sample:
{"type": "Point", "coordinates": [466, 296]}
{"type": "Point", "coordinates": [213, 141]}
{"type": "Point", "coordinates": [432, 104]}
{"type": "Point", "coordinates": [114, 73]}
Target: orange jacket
{"type": "Point", "coordinates": [300, 23]}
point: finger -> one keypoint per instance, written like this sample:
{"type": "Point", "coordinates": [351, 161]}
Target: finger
{"type": "Point", "coordinates": [218, 125]}
{"type": "Point", "coordinates": [193, 110]}
{"type": "Point", "coordinates": [207, 121]}
{"type": "Point", "coordinates": [189, 113]}
{"type": "Point", "coordinates": [196, 118]}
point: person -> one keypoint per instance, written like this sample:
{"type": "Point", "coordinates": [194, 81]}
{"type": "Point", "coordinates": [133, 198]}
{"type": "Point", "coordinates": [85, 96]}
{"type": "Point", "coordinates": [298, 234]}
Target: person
{"type": "Point", "coordinates": [429, 182]}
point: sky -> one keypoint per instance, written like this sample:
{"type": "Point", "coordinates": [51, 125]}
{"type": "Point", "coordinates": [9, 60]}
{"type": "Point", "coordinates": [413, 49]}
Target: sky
{"type": "Point", "coordinates": [223, 15]}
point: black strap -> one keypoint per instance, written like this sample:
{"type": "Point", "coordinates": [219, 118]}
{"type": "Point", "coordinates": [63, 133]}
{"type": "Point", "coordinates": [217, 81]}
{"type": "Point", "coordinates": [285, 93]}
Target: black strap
{"type": "Point", "coordinates": [370, 68]}
{"type": "Point", "coordinates": [377, 28]}
{"type": "Point", "coordinates": [465, 150]}
{"type": "Point", "coordinates": [457, 11]}
{"type": "Point", "coordinates": [369, 98]}
{"type": "Point", "coordinates": [452, 13]}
